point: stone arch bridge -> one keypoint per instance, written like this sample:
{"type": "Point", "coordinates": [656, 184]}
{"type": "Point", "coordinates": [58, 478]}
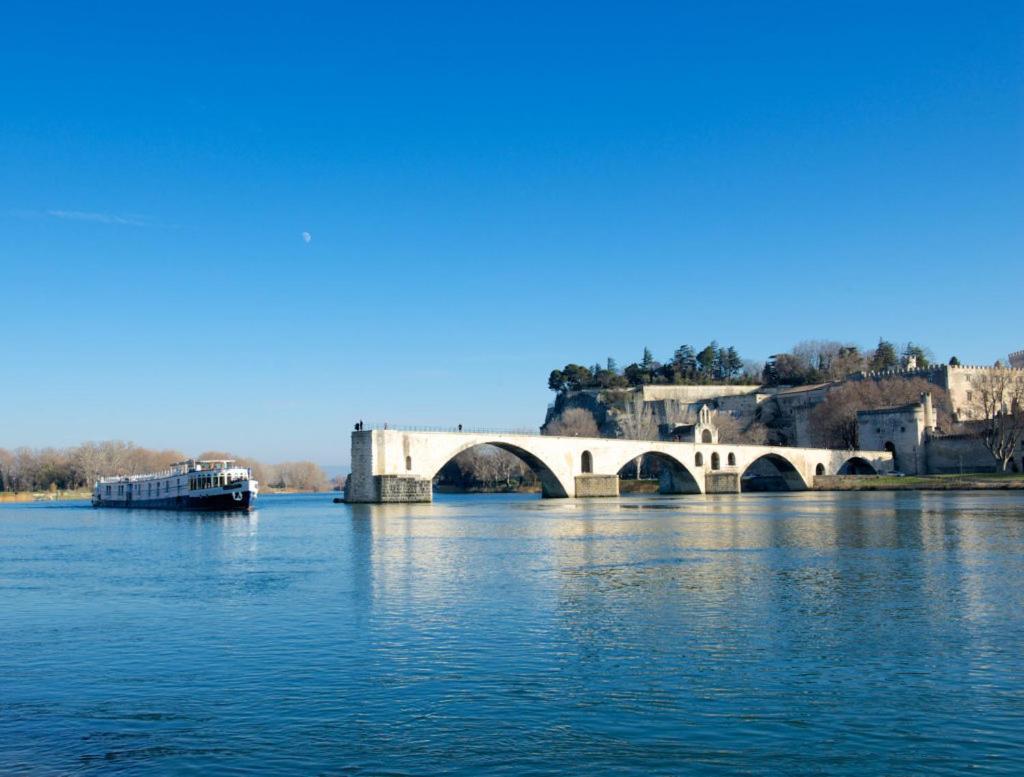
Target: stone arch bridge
{"type": "Point", "coordinates": [391, 465]}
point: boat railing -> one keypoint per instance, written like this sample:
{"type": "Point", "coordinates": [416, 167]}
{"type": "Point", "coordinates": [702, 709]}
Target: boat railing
{"type": "Point", "coordinates": [167, 473]}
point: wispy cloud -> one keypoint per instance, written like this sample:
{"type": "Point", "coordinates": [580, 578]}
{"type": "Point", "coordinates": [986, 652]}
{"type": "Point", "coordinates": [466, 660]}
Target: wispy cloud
{"type": "Point", "coordinates": [99, 218]}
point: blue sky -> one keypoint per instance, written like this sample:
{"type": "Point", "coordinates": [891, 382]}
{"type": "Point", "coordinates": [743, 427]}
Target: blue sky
{"type": "Point", "coordinates": [490, 191]}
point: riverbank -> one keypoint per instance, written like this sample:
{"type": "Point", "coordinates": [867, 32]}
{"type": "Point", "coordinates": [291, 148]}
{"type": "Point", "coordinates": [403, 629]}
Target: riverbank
{"type": "Point", "coordinates": [971, 482]}
{"type": "Point", "coordinates": [17, 497]}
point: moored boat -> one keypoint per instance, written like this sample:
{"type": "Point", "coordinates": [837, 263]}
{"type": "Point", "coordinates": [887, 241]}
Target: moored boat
{"type": "Point", "coordinates": [188, 485]}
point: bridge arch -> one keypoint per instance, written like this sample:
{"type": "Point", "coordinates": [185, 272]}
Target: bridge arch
{"type": "Point", "coordinates": [674, 478]}
{"type": "Point", "coordinates": [772, 472]}
{"type": "Point", "coordinates": [551, 484]}
{"type": "Point", "coordinates": [856, 465]}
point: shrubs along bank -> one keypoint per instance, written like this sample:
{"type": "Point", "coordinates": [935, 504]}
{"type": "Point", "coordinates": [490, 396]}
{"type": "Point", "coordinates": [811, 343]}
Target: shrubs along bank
{"type": "Point", "coordinates": [76, 469]}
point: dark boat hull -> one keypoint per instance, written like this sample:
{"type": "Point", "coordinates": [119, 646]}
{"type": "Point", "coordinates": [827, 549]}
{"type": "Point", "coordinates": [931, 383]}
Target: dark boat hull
{"type": "Point", "coordinates": [211, 502]}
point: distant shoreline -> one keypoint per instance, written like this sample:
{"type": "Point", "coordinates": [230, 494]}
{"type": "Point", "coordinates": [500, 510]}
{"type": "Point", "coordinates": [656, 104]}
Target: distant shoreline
{"type": "Point", "coordinates": [972, 482]}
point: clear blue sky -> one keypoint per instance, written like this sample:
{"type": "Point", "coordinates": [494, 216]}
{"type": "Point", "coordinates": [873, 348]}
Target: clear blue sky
{"type": "Point", "coordinates": [490, 191]}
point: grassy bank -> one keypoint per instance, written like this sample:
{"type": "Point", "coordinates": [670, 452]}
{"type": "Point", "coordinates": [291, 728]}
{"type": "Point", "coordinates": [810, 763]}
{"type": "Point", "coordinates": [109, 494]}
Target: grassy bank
{"type": "Point", "coordinates": [972, 482]}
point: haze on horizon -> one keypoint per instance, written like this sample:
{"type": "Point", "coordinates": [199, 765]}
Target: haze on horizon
{"type": "Point", "coordinates": [243, 229]}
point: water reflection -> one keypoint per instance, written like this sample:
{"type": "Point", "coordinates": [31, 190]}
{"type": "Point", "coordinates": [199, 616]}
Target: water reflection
{"type": "Point", "coordinates": [638, 635]}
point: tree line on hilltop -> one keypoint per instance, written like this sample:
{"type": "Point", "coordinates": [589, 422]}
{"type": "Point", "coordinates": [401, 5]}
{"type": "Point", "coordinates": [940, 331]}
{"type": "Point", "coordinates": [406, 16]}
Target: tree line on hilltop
{"type": "Point", "coordinates": [821, 361]}
{"type": "Point", "coordinates": [77, 468]}
{"type": "Point", "coordinates": [808, 362]}
{"type": "Point", "coordinates": [688, 366]}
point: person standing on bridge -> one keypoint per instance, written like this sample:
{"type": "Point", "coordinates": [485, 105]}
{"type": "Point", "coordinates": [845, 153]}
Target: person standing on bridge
{"type": "Point", "coordinates": [460, 427]}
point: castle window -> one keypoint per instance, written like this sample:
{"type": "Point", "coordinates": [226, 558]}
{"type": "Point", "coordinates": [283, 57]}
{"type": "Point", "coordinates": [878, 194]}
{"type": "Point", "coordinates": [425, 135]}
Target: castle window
{"type": "Point", "coordinates": [716, 462]}
{"type": "Point", "coordinates": [970, 396]}
{"type": "Point", "coordinates": [699, 459]}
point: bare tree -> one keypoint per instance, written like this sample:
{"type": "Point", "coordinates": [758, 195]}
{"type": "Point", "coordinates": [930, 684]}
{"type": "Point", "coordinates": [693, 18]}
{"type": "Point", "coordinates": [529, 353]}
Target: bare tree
{"type": "Point", "coordinates": [487, 466]}
{"type": "Point", "coordinates": [574, 422]}
{"type": "Point", "coordinates": [27, 469]}
{"type": "Point", "coordinates": [828, 359]}
{"type": "Point", "coordinates": [302, 476]}
{"type": "Point", "coordinates": [998, 400]}
{"type": "Point", "coordinates": [637, 421]}
{"type": "Point", "coordinates": [733, 430]}
{"type": "Point", "coordinates": [6, 466]}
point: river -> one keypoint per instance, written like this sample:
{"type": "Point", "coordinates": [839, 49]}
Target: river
{"type": "Point", "coordinates": [843, 633]}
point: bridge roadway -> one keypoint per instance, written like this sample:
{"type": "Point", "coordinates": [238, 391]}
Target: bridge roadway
{"type": "Point", "coordinates": [390, 465]}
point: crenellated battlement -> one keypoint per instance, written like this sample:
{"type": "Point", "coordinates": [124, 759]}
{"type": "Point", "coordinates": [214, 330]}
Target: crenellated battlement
{"type": "Point", "coordinates": [904, 372]}
{"type": "Point", "coordinates": [899, 372]}
{"type": "Point", "coordinates": [977, 367]}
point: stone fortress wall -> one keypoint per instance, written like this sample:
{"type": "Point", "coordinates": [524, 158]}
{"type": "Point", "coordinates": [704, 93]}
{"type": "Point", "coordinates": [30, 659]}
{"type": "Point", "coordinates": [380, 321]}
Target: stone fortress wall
{"type": "Point", "coordinates": [957, 380]}
{"type": "Point", "coordinates": [689, 394]}
{"type": "Point", "coordinates": [903, 431]}
{"type": "Point", "coordinates": [919, 447]}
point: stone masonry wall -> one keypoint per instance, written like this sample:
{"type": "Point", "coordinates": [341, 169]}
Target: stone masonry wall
{"type": "Point", "coordinates": [597, 485]}
{"type": "Point", "coordinates": [954, 454]}
{"type": "Point", "coordinates": [361, 485]}
{"type": "Point", "coordinates": [903, 427]}
{"type": "Point", "coordinates": [722, 483]}
{"type": "Point", "coordinates": [401, 488]}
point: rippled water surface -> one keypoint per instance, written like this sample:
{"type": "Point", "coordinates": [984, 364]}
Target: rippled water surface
{"type": "Point", "coordinates": [803, 633]}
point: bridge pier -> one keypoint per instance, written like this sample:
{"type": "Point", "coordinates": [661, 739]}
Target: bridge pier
{"type": "Point", "coordinates": [722, 483]}
{"type": "Point", "coordinates": [380, 489]}
{"type": "Point", "coordinates": [597, 485]}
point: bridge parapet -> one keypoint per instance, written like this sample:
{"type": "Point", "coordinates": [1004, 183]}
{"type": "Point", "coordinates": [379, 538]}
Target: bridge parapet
{"type": "Point", "coordinates": [391, 465]}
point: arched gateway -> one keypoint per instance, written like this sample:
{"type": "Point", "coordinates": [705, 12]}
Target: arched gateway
{"type": "Point", "coordinates": [390, 465]}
